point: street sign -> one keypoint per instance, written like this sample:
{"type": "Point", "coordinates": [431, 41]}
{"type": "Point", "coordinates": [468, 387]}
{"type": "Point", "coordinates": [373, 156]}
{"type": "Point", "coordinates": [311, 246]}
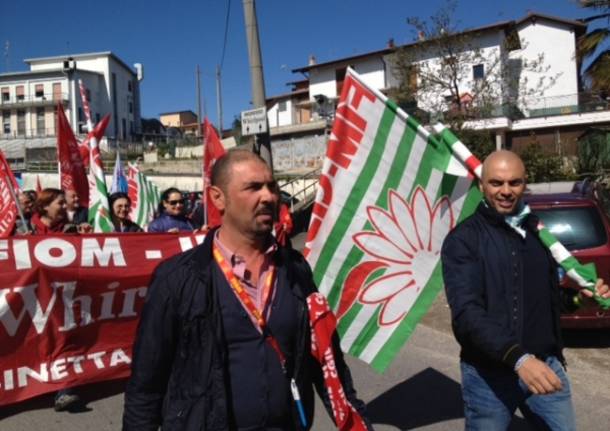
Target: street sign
{"type": "Point", "coordinates": [254, 121]}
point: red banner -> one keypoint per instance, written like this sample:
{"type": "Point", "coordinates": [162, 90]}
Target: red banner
{"type": "Point", "coordinates": [71, 166]}
{"type": "Point", "coordinates": [213, 150]}
{"type": "Point", "coordinates": [8, 206]}
{"type": "Point", "coordinates": [69, 307]}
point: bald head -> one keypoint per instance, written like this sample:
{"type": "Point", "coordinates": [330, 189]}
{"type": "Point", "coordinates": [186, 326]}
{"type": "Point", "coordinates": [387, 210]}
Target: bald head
{"type": "Point", "coordinates": [505, 158]}
{"type": "Point", "coordinates": [503, 181]}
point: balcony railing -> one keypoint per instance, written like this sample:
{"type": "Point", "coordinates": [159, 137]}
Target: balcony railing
{"type": "Point", "coordinates": [567, 104]}
{"type": "Point", "coordinates": [27, 133]}
{"type": "Point", "coordinates": [578, 103]}
{"type": "Point", "coordinates": [46, 99]}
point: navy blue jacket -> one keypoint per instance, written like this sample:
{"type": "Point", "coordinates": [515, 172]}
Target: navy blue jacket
{"type": "Point", "coordinates": [165, 222]}
{"type": "Point", "coordinates": [179, 374]}
{"type": "Point", "coordinates": [479, 269]}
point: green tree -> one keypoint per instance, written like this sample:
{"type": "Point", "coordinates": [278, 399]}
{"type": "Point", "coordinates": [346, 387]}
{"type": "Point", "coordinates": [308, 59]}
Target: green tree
{"type": "Point", "coordinates": [590, 45]}
{"type": "Point", "coordinates": [480, 142]}
{"type": "Point", "coordinates": [541, 166]}
{"type": "Point", "coordinates": [594, 153]}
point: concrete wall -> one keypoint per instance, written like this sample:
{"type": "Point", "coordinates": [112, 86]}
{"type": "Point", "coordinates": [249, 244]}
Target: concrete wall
{"type": "Point", "coordinates": [278, 118]}
{"type": "Point", "coordinates": [323, 80]}
{"type": "Point", "coordinates": [298, 152]}
{"type": "Point", "coordinates": [184, 183]}
{"type": "Point", "coordinates": [556, 42]}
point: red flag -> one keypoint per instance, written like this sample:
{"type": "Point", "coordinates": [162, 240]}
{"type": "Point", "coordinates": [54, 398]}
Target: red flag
{"type": "Point", "coordinates": [8, 205]}
{"type": "Point", "coordinates": [71, 166]}
{"type": "Point", "coordinates": [98, 132]}
{"type": "Point", "coordinates": [213, 150]}
{"type": "Point", "coordinates": [284, 226]}
{"type": "Point", "coordinates": [38, 185]}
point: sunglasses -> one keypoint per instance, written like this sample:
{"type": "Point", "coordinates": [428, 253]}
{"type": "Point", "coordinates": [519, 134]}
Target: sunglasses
{"type": "Point", "coordinates": [176, 202]}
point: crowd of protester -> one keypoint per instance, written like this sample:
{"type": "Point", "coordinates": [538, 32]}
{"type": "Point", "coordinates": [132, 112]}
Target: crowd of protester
{"type": "Point", "coordinates": [55, 211]}
{"type": "Point", "coordinates": [59, 211]}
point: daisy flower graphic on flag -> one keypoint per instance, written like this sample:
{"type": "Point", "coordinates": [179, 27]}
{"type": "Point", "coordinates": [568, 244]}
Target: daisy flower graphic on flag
{"type": "Point", "coordinates": [405, 243]}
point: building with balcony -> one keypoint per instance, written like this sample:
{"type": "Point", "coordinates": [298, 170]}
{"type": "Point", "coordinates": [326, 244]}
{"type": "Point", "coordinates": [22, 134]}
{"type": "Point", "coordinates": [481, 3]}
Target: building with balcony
{"type": "Point", "coordinates": [557, 112]}
{"type": "Point", "coordinates": [28, 100]}
{"type": "Point", "coordinates": [184, 121]}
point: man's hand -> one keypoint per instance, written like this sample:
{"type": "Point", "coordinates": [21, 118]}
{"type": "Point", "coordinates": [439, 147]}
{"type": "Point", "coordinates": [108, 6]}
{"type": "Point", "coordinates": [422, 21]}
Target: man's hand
{"type": "Point", "coordinates": [538, 377]}
{"type": "Point", "coordinates": [601, 289]}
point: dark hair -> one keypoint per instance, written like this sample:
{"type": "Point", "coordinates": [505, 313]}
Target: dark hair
{"type": "Point", "coordinates": [30, 194]}
{"type": "Point", "coordinates": [116, 196]}
{"type": "Point", "coordinates": [222, 168]}
{"type": "Point", "coordinates": [165, 196]}
{"type": "Point", "coordinates": [44, 199]}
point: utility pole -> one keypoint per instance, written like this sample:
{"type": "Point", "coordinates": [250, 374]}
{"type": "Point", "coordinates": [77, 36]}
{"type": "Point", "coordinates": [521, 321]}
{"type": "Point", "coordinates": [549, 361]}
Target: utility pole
{"type": "Point", "coordinates": [198, 80]}
{"type": "Point", "coordinates": [219, 100]}
{"type": "Point", "coordinates": [262, 141]}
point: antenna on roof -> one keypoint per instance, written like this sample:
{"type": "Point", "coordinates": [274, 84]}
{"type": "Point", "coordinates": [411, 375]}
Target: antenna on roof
{"type": "Point", "coordinates": [7, 46]}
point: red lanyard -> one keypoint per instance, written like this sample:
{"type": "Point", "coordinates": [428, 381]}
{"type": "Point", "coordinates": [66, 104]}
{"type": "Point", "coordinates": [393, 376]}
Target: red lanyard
{"type": "Point", "coordinates": [247, 301]}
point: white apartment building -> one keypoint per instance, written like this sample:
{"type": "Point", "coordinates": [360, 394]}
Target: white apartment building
{"type": "Point", "coordinates": [28, 100]}
{"type": "Point", "coordinates": [558, 113]}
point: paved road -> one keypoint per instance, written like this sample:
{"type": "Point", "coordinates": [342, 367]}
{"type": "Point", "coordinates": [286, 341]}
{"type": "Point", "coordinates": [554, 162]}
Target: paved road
{"type": "Point", "coordinates": [419, 391]}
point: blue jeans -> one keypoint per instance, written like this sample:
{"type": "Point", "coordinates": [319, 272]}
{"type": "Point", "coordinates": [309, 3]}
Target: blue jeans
{"type": "Point", "coordinates": [491, 397]}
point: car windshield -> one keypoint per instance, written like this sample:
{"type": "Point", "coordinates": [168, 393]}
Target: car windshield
{"type": "Point", "coordinates": [576, 228]}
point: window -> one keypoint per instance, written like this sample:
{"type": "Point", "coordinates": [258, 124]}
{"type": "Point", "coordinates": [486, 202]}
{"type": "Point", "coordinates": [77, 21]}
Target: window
{"type": "Point", "coordinates": [339, 78]}
{"type": "Point", "coordinates": [6, 95]}
{"type": "Point", "coordinates": [129, 86]}
{"type": "Point", "coordinates": [124, 128]}
{"type": "Point", "coordinates": [81, 115]}
{"type": "Point", "coordinates": [20, 122]}
{"type": "Point", "coordinates": [20, 93]}
{"type": "Point", "coordinates": [57, 91]}
{"type": "Point", "coordinates": [40, 122]}
{"type": "Point", "coordinates": [39, 90]}
{"type": "Point", "coordinates": [281, 106]}
{"type": "Point", "coordinates": [97, 117]}
{"type": "Point", "coordinates": [576, 228]}
{"type": "Point", "coordinates": [6, 122]}
{"type": "Point", "coordinates": [130, 107]}
{"type": "Point", "coordinates": [88, 95]}
{"type": "Point", "coordinates": [478, 71]}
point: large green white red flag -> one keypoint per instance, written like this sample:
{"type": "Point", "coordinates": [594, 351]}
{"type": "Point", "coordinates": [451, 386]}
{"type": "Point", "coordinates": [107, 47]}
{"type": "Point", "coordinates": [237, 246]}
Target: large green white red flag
{"type": "Point", "coordinates": [99, 211]}
{"type": "Point", "coordinates": [144, 195]}
{"type": "Point", "coordinates": [389, 193]}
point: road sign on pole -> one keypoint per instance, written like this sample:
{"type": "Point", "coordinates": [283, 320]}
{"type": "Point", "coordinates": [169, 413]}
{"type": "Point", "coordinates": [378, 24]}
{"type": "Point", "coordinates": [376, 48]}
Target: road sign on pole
{"type": "Point", "coordinates": [254, 121]}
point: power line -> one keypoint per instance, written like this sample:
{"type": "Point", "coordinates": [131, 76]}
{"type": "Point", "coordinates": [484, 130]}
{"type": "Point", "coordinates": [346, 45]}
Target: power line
{"type": "Point", "coordinates": [224, 44]}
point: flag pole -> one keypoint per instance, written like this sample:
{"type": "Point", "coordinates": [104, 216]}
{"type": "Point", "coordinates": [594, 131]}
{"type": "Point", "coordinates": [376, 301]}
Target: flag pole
{"type": "Point", "coordinates": [21, 216]}
{"type": "Point", "coordinates": [57, 143]}
{"type": "Point", "coordinates": [11, 190]}
{"type": "Point", "coordinates": [204, 198]}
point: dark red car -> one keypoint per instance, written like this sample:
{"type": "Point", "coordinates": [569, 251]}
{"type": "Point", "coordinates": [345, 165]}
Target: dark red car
{"type": "Point", "coordinates": [582, 225]}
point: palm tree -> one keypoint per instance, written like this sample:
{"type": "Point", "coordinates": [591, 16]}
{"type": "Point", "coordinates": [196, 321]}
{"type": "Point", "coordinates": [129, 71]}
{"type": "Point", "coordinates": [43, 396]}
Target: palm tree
{"type": "Point", "coordinates": [599, 69]}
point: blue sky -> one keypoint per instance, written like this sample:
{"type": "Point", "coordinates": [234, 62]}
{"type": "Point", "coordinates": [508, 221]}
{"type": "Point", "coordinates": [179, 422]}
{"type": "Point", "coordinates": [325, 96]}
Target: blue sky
{"type": "Point", "coordinates": [171, 38]}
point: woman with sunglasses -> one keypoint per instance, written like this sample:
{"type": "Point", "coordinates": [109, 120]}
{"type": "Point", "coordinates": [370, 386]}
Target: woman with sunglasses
{"type": "Point", "coordinates": [171, 213]}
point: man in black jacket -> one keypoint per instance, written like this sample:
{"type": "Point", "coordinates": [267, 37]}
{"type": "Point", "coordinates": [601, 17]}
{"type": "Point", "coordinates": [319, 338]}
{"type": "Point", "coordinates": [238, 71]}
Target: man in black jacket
{"type": "Point", "coordinates": [225, 330]}
{"type": "Point", "coordinates": [502, 287]}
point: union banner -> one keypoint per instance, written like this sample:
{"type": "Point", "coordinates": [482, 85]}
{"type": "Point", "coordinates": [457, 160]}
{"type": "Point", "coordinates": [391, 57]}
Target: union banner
{"type": "Point", "coordinates": [69, 307]}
